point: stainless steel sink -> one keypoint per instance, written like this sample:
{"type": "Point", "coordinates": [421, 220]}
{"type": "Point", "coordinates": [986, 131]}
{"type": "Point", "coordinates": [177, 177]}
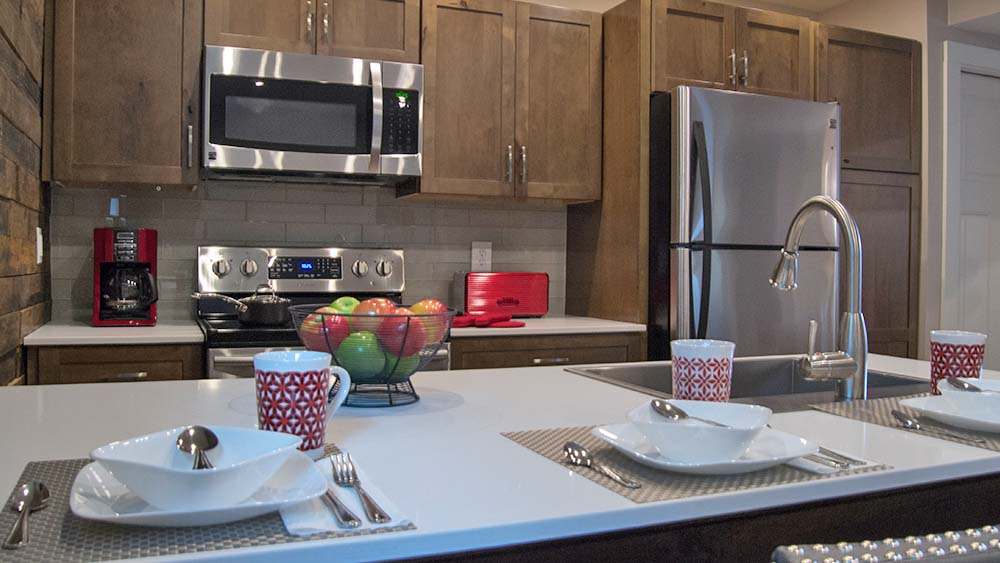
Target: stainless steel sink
{"type": "Point", "coordinates": [773, 381]}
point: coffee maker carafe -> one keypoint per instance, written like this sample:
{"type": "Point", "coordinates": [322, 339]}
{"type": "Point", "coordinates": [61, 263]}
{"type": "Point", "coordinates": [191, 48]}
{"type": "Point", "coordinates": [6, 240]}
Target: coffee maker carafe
{"type": "Point", "coordinates": [124, 277]}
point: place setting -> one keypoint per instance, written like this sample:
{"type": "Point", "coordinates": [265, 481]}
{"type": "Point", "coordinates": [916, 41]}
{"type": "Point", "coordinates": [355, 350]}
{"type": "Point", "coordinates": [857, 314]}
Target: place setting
{"type": "Point", "coordinates": [693, 444]}
{"type": "Point", "coordinates": [203, 488]}
{"type": "Point", "coordinates": [960, 406]}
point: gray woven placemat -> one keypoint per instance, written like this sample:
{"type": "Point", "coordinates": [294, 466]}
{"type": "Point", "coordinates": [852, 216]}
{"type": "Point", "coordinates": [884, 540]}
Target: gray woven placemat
{"type": "Point", "coordinates": [58, 536]}
{"type": "Point", "coordinates": [879, 411]}
{"type": "Point", "coordinates": [658, 485]}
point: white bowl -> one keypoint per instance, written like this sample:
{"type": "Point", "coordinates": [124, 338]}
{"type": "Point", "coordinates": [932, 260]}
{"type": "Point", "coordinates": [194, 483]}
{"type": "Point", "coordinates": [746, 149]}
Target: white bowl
{"type": "Point", "coordinates": [691, 441]}
{"type": "Point", "coordinates": [971, 401]}
{"type": "Point", "coordinates": [154, 469]}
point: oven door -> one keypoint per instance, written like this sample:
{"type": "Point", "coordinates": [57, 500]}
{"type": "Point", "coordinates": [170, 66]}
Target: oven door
{"type": "Point", "coordinates": [237, 363]}
{"type": "Point", "coordinates": [276, 112]}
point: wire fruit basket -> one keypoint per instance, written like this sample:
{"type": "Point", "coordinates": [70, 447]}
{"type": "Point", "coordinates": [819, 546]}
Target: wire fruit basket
{"type": "Point", "coordinates": [379, 344]}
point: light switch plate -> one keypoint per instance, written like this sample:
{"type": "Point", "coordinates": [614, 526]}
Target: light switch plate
{"type": "Point", "coordinates": [482, 256]}
{"type": "Point", "coordinates": [39, 245]}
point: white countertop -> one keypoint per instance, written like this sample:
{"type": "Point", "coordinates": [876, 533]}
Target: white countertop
{"type": "Point", "coordinates": [552, 325]}
{"type": "Point", "coordinates": [444, 463]}
{"type": "Point", "coordinates": [83, 334]}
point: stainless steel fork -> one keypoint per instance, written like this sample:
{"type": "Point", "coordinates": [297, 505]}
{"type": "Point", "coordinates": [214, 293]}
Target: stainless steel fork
{"type": "Point", "coordinates": [345, 475]}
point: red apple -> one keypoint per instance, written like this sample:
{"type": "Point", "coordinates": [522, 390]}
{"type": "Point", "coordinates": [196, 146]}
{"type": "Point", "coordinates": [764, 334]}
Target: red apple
{"type": "Point", "coordinates": [324, 330]}
{"type": "Point", "coordinates": [370, 307]}
{"type": "Point", "coordinates": [434, 326]}
{"type": "Point", "coordinates": [402, 334]}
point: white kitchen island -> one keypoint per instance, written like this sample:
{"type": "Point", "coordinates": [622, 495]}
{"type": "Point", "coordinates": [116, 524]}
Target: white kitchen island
{"type": "Point", "coordinates": [444, 463]}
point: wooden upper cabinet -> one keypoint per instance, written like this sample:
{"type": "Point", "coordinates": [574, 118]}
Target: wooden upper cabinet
{"type": "Point", "coordinates": [693, 44]}
{"type": "Point", "coordinates": [887, 209]}
{"type": "Point", "coordinates": [559, 86]}
{"type": "Point", "coordinates": [876, 79]}
{"type": "Point", "coordinates": [468, 52]}
{"type": "Point", "coordinates": [386, 30]}
{"type": "Point", "coordinates": [275, 25]}
{"type": "Point", "coordinates": [773, 54]}
{"type": "Point", "coordinates": [125, 91]}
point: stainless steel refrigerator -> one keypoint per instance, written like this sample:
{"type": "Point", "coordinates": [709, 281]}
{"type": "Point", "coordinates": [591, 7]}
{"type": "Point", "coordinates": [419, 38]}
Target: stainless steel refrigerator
{"type": "Point", "coordinates": [728, 171]}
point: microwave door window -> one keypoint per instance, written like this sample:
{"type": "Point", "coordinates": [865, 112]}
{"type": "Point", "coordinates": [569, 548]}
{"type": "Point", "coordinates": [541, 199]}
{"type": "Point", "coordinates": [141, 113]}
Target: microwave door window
{"type": "Point", "coordinates": [290, 115]}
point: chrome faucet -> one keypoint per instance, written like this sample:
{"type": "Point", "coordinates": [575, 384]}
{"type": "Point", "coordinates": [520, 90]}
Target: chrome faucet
{"type": "Point", "coordinates": [849, 365]}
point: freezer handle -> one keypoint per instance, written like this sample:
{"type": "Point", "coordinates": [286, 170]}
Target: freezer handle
{"type": "Point", "coordinates": [699, 162]}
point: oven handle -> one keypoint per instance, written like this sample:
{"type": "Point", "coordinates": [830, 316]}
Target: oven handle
{"type": "Point", "coordinates": [231, 360]}
{"type": "Point", "coordinates": [375, 163]}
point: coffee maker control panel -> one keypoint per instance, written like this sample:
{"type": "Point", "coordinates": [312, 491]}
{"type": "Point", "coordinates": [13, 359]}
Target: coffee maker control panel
{"type": "Point", "coordinates": [126, 246]}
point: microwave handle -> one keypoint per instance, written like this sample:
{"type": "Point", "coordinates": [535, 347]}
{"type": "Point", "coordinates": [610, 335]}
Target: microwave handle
{"type": "Point", "coordinates": [374, 165]}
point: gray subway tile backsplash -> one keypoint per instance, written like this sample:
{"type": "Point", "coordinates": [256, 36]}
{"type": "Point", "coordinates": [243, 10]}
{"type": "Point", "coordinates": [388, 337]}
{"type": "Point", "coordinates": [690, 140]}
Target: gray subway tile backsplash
{"type": "Point", "coordinates": [435, 236]}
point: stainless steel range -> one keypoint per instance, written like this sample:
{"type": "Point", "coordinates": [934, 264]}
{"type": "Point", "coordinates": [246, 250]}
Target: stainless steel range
{"type": "Point", "coordinates": [303, 275]}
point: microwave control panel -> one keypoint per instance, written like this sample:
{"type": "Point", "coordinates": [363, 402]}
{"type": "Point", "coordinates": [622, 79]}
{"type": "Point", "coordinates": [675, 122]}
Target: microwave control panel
{"type": "Point", "coordinates": [401, 122]}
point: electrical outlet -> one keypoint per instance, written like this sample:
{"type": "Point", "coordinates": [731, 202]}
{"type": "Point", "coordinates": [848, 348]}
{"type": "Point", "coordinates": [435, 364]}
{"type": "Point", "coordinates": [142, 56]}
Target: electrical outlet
{"type": "Point", "coordinates": [482, 256]}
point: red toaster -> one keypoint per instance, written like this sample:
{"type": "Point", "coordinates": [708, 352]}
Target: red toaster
{"type": "Point", "coordinates": [519, 294]}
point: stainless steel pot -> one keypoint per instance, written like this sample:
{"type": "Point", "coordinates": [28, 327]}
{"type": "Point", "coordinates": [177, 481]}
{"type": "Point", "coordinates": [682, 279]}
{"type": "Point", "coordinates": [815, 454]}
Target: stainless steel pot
{"type": "Point", "coordinates": [263, 308]}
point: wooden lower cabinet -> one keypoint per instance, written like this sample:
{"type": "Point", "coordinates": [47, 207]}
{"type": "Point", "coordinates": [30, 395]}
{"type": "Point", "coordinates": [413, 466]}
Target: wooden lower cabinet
{"type": "Point", "coordinates": [106, 364]}
{"type": "Point", "coordinates": [555, 350]}
{"type": "Point", "coordinates": [887, 209]}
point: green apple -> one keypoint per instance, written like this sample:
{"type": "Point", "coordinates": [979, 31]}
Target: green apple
{"type": "Point", "coordinates": [345, 305]}
{"type": "Point", "coordinates": [361, 356]}
{"type": "Point", "coordinates": [398, 372]}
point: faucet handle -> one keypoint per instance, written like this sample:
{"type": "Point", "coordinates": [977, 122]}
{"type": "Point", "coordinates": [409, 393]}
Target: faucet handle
{"type": "Point", "coordinates": [813, 331]}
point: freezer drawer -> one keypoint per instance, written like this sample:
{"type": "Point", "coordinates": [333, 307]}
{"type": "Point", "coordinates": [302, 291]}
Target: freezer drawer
{"type": "Point", "coordinates": [733, 300]}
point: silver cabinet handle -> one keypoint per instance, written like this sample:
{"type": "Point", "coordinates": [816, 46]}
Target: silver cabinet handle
{"type": "Point", "coordinates": [524, 164]}
{"type": "Point", "coordinates": [510, 163]}
{"type": "Point", "coordinates": [745, 79]}
{"type": "Point", "coordinates": [129, 376]}
{"type": "Point", "coordinates": [309, 19]}
{"type": "Point", "coordinates": [326, 21]}
{"type": "Point", "coordinates": [732, 61]}
{"type": "Point", "coordinates": [375, 164]}
{"type": "Point", "coordinates": [550, 361]}
{"type": "Point", "coordinates": [190, 146]}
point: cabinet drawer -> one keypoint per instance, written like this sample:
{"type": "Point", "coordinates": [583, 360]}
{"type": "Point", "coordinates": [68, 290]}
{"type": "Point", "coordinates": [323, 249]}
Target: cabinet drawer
{"type": "Point", "coordinates": [103, 364]}
{"type": "Point", "coordinates": [537, 351]}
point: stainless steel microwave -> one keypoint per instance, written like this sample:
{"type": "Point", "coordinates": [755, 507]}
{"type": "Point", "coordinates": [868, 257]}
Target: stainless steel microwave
{"type": "Point", "coordinates": [268, 113]}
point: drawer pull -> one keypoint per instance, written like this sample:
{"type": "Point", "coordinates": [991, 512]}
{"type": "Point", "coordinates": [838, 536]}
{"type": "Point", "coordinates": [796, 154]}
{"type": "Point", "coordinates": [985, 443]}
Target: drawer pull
{"type": "Point", "coordinates": [129, 376]}
{"type": "Point", "coordinates": [550, 361]}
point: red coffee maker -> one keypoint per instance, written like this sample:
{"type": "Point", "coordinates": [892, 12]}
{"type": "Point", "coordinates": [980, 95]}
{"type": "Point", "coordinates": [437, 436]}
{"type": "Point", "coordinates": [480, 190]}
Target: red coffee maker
{"type": "Point", "coordinates": [124, 277]}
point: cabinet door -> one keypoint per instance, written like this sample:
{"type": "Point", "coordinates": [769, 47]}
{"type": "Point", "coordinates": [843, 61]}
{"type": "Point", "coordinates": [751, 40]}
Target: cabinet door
{"type": "Point", "coordinates": [887, 209]}
{"type": "Point", "coordinates": [559, 85]}
{"type": "Point", "coordinates": [549, 350]}
{"type": "Point", "coordinates": [276, 25]}
{"type": "Point", "coordinates": [387, 30]}
{"type": "Point", "coordinates": [693, 44]}
{"type": "Point", "coordinates": [468, 51]}
{"type": "Point", "coordinates": [773, 52]}
{"type": "Point", "coordinates": [124, 88]}
{"type": "Point", "coordinates": [876, 79]}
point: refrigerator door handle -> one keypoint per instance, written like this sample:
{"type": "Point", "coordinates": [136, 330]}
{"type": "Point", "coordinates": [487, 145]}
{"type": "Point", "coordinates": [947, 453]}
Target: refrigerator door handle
{"type": "Point", "coordinates": [699, 162]}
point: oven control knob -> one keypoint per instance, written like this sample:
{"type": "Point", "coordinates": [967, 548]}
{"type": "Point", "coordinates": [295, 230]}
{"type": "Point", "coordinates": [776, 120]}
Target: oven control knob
{"type": "Point", "coordinates": [383, 268]}
{"type": "Point", "coordinates": [221, 268]}
{"type": "Point", "coordinates": [359, 268]}
{"type": "Point", "coordinates": [248, 267]}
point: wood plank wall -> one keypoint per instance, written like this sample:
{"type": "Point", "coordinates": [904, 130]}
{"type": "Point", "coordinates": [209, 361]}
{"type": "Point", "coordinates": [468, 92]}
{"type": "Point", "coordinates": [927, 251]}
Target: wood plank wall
{"type": "Point", "coordinates": [24, 285]}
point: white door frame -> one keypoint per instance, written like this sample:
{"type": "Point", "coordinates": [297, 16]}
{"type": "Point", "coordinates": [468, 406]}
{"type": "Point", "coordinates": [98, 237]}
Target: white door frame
{"type": "Point", "coordinates": [958, 58]}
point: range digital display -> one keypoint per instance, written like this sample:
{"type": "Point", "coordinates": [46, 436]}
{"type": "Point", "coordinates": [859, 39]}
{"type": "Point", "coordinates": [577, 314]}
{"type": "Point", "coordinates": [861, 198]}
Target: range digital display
{"type": "Point", "coordinates": [308, 268]}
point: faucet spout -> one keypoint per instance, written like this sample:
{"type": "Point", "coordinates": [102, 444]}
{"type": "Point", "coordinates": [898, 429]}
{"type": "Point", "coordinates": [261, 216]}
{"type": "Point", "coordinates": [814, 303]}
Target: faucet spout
{"type": "Point", "coordinates": [853, 334]}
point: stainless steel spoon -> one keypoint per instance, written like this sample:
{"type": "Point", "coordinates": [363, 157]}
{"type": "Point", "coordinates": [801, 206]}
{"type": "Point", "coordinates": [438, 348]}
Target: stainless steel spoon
{"type": "Point", "coordinates": [577, 454]}
{"type": "Point", "coordinates": [912, 424]}
{"type": "Point", "coordinates": [197, 440]}
{"type": "Point", "coordinates": [671, 411]}
{"type": "Point", "coordinates": [963, 385]}
{"type": "Point", "coordinates": [32, 496]}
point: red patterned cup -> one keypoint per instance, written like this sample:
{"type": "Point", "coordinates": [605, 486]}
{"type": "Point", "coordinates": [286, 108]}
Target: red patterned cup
{"type": "Point", "coordinates": [293, 390]}
{"type": "Point", "coordinates": [956, 353]}
{"type": "Point", "coordinates": [702, 369]}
